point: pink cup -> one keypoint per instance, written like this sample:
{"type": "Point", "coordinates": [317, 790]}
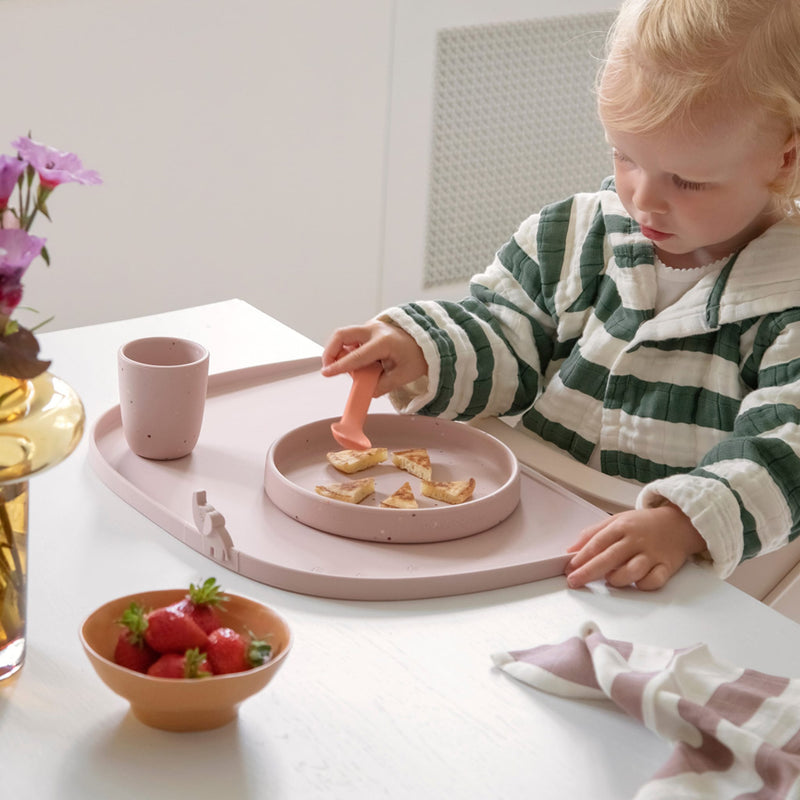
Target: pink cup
{"type": "Point", "coordinates": [162, 395]}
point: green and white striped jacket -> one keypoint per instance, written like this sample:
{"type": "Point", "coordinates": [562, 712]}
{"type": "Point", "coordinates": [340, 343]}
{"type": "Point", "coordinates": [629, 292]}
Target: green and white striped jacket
{"type": "Point", "coordinates": [701, 402]}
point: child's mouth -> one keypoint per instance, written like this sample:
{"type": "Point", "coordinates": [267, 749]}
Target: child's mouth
{"type": "Point", "coordinates": [653, 234]}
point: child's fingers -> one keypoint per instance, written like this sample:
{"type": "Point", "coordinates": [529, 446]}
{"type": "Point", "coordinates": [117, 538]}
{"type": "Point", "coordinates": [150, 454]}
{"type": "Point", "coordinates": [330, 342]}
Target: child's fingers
{"type": "Point", "coordinates": [633, 571]}
{"type": "Point", "coordinates": [335, 347]}
{"type": "Point", "coordinates": [656, 578]}
{"type": "Point", "coordinates": [600, 557]}
{"type": "Point", "coordinates": [349, 362]}
{"type": "Point", "coordinates": [586, 535]}
{"type": "Point", "coordinates": [593, 541]}
{"type": "Point", "coordinates": [343, 351]}
{"type": "Point", "coordinates": [644, 547]}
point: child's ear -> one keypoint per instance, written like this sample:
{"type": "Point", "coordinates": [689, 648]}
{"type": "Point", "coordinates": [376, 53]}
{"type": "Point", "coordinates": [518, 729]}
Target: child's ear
{"type": "Point", "coordinates": [790, 152]}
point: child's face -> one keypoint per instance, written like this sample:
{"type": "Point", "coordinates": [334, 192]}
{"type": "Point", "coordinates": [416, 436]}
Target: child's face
{"type": "Point", "coordinates": [698, 196]}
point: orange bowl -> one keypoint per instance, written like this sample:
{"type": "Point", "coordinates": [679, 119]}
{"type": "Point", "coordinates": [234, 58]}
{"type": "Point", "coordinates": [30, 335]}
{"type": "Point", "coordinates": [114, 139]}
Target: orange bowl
{"type": "Point", "coordinates": [184, 704]}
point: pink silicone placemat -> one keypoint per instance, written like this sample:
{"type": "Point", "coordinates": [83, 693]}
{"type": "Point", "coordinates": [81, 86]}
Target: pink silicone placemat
{"type": "Point", "coordinates": [245, 412]}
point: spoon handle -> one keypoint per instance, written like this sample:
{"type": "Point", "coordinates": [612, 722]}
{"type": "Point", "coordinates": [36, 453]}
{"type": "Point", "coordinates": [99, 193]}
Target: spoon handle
{"type": "Point", "coordinates": [349, 432]}
{"type": "Point", "coordinates": [360, 397]}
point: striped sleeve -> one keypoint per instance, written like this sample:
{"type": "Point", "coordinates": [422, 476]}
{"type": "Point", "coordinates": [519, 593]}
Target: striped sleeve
{"type": "Point", "coordinates": [744, 495]}
{"type": "Point", "coordinates": [487, 354]}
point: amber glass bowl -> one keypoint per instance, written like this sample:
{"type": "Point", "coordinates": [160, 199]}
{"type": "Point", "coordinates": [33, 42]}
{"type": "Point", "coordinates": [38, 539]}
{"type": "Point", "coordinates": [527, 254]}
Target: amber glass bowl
{"type": "Point", "coordinates": [184, 704]}
{"type": "Point", "coordinates": [41, 423]}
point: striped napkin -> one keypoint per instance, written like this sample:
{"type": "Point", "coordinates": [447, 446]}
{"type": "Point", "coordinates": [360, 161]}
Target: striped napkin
{"type": "Point", "coordinates": [736, 731]}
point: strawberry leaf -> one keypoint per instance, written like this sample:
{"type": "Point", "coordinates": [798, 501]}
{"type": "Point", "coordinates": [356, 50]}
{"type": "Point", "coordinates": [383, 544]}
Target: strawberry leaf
{"type": "Point", "coordinates": [134, 620]}
{"type": "Point", "coordinates": [192, 664]}
{"type": "Point", "coordinates": [208, 593]}
{"type": "Point", "coordinates": [258, 652]}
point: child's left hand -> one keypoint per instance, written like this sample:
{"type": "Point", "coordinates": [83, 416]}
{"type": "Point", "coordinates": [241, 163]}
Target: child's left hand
{"type": "Point", "coordinates": [645, 547]}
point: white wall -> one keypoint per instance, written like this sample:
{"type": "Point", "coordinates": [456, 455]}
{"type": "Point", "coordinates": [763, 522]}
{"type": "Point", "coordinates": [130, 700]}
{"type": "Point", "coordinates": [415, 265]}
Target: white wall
{"type": "Point", "coordinates": [247, 148]}
{"type": "Point", "coordinates": [409, 150]}
{"type": "Point", "coordinates": [241, 143]}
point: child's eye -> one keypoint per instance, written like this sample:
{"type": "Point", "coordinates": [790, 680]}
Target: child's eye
{"type": "Point", "coordinates": [692, 186]}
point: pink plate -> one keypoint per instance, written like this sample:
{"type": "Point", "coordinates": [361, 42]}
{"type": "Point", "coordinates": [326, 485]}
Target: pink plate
{"type": "Point", "coordinates": [296, 463]}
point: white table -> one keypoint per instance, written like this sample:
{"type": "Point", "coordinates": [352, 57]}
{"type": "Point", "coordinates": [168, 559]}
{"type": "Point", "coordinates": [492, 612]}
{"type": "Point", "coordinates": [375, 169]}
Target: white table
{"type": "Point", "coordinates": [376, 700]}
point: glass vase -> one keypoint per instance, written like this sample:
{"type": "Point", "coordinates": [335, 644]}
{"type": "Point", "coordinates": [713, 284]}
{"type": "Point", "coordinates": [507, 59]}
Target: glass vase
{"type": "Point", "coordinates": [41, 423]}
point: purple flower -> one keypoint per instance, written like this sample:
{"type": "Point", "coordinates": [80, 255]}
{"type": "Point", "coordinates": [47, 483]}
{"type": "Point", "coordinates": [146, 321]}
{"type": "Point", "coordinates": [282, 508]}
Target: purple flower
{"type": "Point", "coordinates": [10, 170]}
{"type": "Point", "coordinates": [53, 166]}
{"type": "Point", "coordinates": [17, 250]}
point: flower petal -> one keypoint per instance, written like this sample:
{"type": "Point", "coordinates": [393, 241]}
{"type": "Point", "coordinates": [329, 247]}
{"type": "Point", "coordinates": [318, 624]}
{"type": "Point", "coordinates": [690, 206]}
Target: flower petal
{"type": "Point", "coordinates": [54, 167]}
{"type": "Point", "coordinates": [18, 249]}
{"type": "Point", "coordinates": [10, 170]}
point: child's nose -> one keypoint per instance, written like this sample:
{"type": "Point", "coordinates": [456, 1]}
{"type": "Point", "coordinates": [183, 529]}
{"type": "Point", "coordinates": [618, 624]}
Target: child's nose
{"type": "Point", "coordinates": [648, 196]}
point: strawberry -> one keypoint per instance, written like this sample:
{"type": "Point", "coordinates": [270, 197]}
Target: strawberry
{"type": "Point", "coordinates": [191, 664]}
{"type": "Point", "coordinates": [131, 650]}
{"type": "Point", "coordinates": [171, 631]}
{"type": "Point", "coordinates": [202, 602]}
{"type": "Point", "coordinates": [229, 651]}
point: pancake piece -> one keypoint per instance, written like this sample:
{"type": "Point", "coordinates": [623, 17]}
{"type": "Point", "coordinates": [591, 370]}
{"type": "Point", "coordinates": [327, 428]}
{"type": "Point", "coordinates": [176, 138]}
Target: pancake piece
{"type": "Point", "coordinates": [453, 492]}
{"type": "Point", "coordinates": [416, 461]}
{"type": "Point", "coordinates": [402, 498]}
{"type": "Point", "coordinates": [350, 461]}
{"type": "Point", "coordinates": [348, 492]}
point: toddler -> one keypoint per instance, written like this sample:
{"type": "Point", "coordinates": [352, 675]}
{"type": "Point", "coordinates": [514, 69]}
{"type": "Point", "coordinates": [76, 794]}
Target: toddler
{"type": "Point", "coordinates": [650, 329]}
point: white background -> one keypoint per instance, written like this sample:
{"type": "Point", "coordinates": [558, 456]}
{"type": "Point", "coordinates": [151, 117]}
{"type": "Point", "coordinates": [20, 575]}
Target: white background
{"type": "Point", "coordinates": [274, 150]}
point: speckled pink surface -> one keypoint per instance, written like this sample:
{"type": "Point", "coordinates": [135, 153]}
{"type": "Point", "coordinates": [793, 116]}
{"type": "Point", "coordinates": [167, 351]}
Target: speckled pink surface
{"type": "Point", "coordinates": [248, 410]}
{"type": "Point", "coordinates": [296, 463]}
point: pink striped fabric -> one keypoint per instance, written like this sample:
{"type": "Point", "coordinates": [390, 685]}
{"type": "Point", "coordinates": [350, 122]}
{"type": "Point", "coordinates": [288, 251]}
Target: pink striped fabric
{"type": "Point", "coordinates": [736, 731]}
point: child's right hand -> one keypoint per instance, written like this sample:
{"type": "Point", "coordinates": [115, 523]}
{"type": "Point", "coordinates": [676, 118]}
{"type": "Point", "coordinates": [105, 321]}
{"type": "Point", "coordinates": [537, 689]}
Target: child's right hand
{"type": "Point", "coordinates": [357, 346]}
{"type": "Point", "coordinates": [644, 547]}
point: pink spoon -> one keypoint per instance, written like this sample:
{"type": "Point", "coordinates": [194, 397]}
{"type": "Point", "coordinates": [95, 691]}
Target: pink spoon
{"type": "Point", "coordinates": [349, 431]}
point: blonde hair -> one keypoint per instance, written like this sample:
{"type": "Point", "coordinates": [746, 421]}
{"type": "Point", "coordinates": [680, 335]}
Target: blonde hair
{"type": "Point", "coordinates": [669, 62]}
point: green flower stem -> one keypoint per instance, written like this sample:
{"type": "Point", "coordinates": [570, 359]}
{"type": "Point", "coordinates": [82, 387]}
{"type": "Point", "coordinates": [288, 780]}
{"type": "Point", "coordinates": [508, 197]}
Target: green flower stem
{"type": "Point", "coordinates": [19, 188]}
{"type": "Point", "coordinates": [41, 196]}
{"type": "Point", "coordinates": [25, 222]}
{"type": "Point", "coordinates": [15, 576]}
{"type": "Point", "coordinates": [27, 225]}
{"type": "Point", "coordinates": [5, 571]}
